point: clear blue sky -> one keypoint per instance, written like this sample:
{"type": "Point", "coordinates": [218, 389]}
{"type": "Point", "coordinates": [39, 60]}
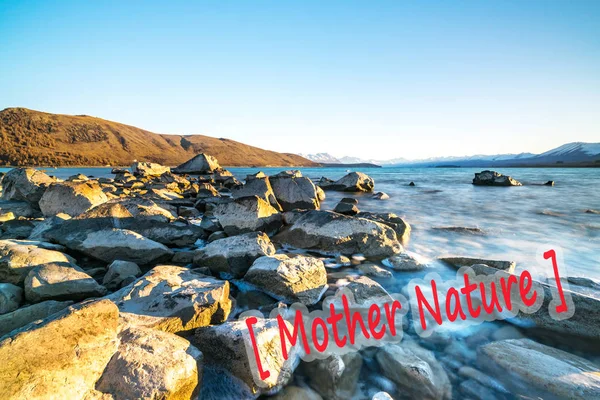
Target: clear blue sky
{"type": "Point", "coordinates": [371, 78]}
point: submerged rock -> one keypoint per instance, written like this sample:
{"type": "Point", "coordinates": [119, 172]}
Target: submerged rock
{"type": "Point", "coordinates": [72, 198]}
{"type": "Point", "coordinates": [405, 262]}
{"type": "Point", "coordinates": [493, 178]}
{"type": "Point", "coordinates": [334, 377]}
{"type": "Point", "coordinates": [293, 191]}
{"type": "Point", "coordinates": [458, 262]}
{"type": "Point", "coordinates": [25, 184]}
{"type": "Point", "coordinates": [247, 214]}
{"type": "Point", "coordinates": [289, 279]}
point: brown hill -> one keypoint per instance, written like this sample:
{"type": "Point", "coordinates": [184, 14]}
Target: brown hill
{"type": "Point", "coordinates": [36, 138]}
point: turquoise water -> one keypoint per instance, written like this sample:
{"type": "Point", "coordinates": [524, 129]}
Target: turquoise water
{"type": "Point", "coordinates": [516, 221]}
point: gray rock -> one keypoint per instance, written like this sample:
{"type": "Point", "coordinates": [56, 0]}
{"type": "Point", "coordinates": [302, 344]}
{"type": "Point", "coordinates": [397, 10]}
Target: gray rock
{"type": "Point", "coordinates": [189, 212]}
{"type": "Point", "coordinates": [472, 389]}
{"type": "Point", "coordinates": [293, 191]}
{"type": "Point", "coordinates": [381, 196]}
{"type": "Point", "coordinates": [233, 256]}
{"type": "Point", "coordinates": [247, 214]}
{"type": "Point", "coordinates": [200, 164]}
{"type": "Point", "coordinates": [23, 316]}
{"type": "Point", "coordinates": [458, 262]}
{"type": "Point", "coordinates": [148, 169]}
{"type": "Point", "coordinates": [374, 271]}
{"type": "Point", "coordinates": [330, 232]}
{"type": "Point", "coordinates": [401, 227]}
{"type": "Point", "coordinates": [289, 279]}
{"type": "Point", "coordinates": [405, 262]}
{"type": "Point", "coordinates": [18, 209]}
{"type": "Point", "coordinates": [72, 198]}
{"type": "Point", "coordinates": [366, 290]}
{"type": "Point", "coordinates": [493, 178]}
{"type": "Point", "coordinates": [183, 257]}
{"type": "Point", "coordinates": [334, 377]}
{"type": "Point", "coordinates": [353, 182]}
{"type": "Point", "coordinates": [25, 184]}
{"type": "Point", "coordinates": [11, 297]}
{"type": "Point", "coordinates": [118, 271]}
{"type": "Point", "coordinates": [257, 185]}
{"type": "Point", "coordinates": [292, 392]}
{"type": "Point", "coordinates": [346, 208]}
{"type": "Point", "coordinates": [17, 229]}
{"type": "Point", "coordinates": [216, 236]}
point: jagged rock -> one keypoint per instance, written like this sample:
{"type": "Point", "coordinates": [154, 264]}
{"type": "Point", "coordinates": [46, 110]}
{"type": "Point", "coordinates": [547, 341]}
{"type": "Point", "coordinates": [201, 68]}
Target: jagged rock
{"type": "Point", "coordinates": [247, 214]}
{"type": "Point", "coordinates": [381, 196]}
{"type": "Point", "coordinates": [335, 233]}
{"type": "Point", "coordinates": [405, 262]}
{"type": "Point", "coordinates": [535, 370]}
{"type": "Point", "coordinates": [119, 271]}
{"type": "Point", "coordinates": [334, 377]}
{"type": "Point", "coordinates": [346, 207]}
{"type": "Point", "coordinates": [71, 198]}
{"type": "Point", "coordinates": [188, 212]}
{"type": "Point", "coordinates": [415, 370]}
{"type": "Point", "coordinates": [257, 185]}
{"type": "Point", "coordinates": [23, 316]}
{"type": "Point", "coordinates": [48, 223]}
{"type": "Point", "coordinates": [148, 169]}
{"type": "Point", "coordinates": [200, 164]}
{"type": "Point", "coordinates": [458, 262]}
{"type": "Point", "coordinates": [353, 182]}
{"type": "Point", "coordinates": [206, 190]}
{"type": "Point", "coordinates": [493, 178]}
{"type": "Point", "coordinates": [56, 281]}
{"type": "Point", "coordinates": [233, 256]}
{"type": "Point", "coordinates": [11, 297]}
{"type": "Point", "coordinates": [18, 208]}
{"type": "Point", "coordinates": [231, 182]}
{"type": "Point", "coordinates": [25, 184]}
{"type": "Point", "coordinates": [293, 191]}
{"type": "Point", "coordinates": [173, 299]}
{"type": "Point", "coordinates": [151, 364]}
{"type": "Point", "coordinates": [60, 357]}
{"type": "Point", "coordinates": [225, 350]}
{"type": "Point", "coordinates": [289, 279]}
{"type": "Point", "coordinates": [400, 226]}
{"type": "Point", "coordinates": [18, 257]}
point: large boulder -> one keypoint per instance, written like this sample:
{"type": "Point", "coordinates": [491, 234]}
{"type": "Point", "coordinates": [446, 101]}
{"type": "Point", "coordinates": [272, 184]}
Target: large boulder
{"type": "Point", "coordinates": [60, 357]}
{"type": "Point", "coordinates": [330, 232]}
{"type": "Point", "coordinates": [399, 225]}
{"type": "Point", "coordinates": [72, 198]}
{"type": "Point", "coordinates": [353, 182]}
{"type": "Point", "coordinates": [415, 370]}
{"type": "Point", "coordinates": [200, 164]}
{"type": "Point", "coordinates": [247, 214]}
{"type": "Point", "coordinates": [233, 256]}
{"type": "Point", "coordinates": [60, 281]}
{"type": "Point", "coordinates": [25, 184]}
{"type": "Point", "coordinates": [25, 315]}
{"type": "Point", "coordinates": [18, 208]}
{"type": "Point", "coordinates": [493, 178]}
{"type": "Point", "coordinates": [534, 370]}
{"type": "Point", "coordinates": [151, 364]}
{"type": "Point", "coordinates": [118, 272]}
{"type": "Point", "coordinates": [289, 279]}
{"type": "Point", "coordinates": [132, 207]}
{"type": "Point", "coordinates": [334, 377]}
{"type": "Point", "coordinates": [173, 299]}
{"type": "Point", "coordinates": [148, 169]}
{"type": "Point", "coordinates": [225, 348]}
{"type": "Point", "coordinates": [11, 297]}
{"type": "Point", "coordinates": [257, 185]}
{"type": "Point", "coordinates": [293, 191]}
{"type": "Point", "coordinates": [18, 257]}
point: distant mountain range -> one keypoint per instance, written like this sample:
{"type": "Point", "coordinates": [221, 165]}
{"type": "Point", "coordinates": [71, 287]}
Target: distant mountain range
{"type": "Point", "coordinates": [570, 154]}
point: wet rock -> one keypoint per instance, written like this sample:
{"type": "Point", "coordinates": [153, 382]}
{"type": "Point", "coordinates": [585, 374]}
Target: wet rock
{"type": "Point", "coordinates": [533, 369]}
{"type": "Point", "coordinates": [472, 389]}
{"type": "Point", "coordinates": [25, 184]}
{"type": "Point", "coordinates": [353, 182]}
{"type": "Point", "coordinates": [216, 236]}
{"type": "Point", "coordinates": [482, 378]}
{"type": "Point", "coordinates": [365, 290]}
{"type": "Point", "coordinates": [374, 271]}
{"type": "Point", "coordinates": [293, 191]}
{"type": "Point", "coordinates": [411, 184]}
{"type": "Point", "coordinates": [289, 279]}
{"type": "Point", "coordinates": [334, 377]}
{"type": "Point", "coordinates": [23, 316]}
{"type": "Point", "coordinates": [247, 214]}
{"type": "Point", "coordinates": [381, 196]}
{"type": "Point", "coordinates": [549, 183]}
{"type": "Point", "coordinates": [173, 299]}
{"type": "Point", "coordinates": [11, 297]}
{"type": "Point", "coordinates": [200, 164]}
{"type": "Point", "coordinates": [60, 357]}
{"type": "Point", "coordinates": [405, 262]}
{"type": "Point", "coordinates": [18, 258]}
{"type": "Point", "coordinates": [335, 233]}
{"type": "Point", "coordinates": [493, 178]}
{"type": "Point", "coordinates": [590, 211]}
{"type": "Point", "coordinates": [151, 364]}
{"type": "Point", "coordinates": [460, 229]}
{"type": "Point", "coordinates": [257, 185]}
{"type": "Point", "coordinates": [233, 256]}
{"type": "Point", "coordinates": [347, 207]}
{"type": "Point", "coordinates": [148, 169]}
{"type": "Point", "coordinates": [60, 281]}
{"type": "Point", "coordinates": [458, 262]}
{"type": "Point", "coordinates": [71, 198]}
{"type": "Point", "coordinates": [415, 370]}
{"type": "Point", "coordinates": [292, 392]}
{"type": "Point", "coordinates": [119, 271]}
{"type": "Point", "coordinates": [225, 350]}
{"type": "Point", "coordinates": [401, 227]}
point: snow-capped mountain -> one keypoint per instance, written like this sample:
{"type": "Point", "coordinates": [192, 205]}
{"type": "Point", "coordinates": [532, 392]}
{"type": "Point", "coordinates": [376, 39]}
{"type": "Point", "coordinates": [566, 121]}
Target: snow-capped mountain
{"type": "Point", "coordinates": [322, 158]}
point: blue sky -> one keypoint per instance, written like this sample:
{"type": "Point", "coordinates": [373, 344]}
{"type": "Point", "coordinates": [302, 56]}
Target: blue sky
{"type": "Point", "coordinates": [373, 79]}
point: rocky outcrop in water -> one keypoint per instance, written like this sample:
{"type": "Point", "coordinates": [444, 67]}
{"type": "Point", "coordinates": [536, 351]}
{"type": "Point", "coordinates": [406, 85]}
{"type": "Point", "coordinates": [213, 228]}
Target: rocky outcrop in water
{"type": "Point", "coordinates": [493, 178]}
{"type": "Point", "coordinates": [353, 182]}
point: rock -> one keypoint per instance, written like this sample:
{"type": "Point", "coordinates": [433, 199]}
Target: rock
{"type": "Point", "coordinates": [365, 290]}
{"type": "Point", "coordinates": [206, 190]}
{"type": "Point", "coordinates": [460, 229]}
{"type": "Point", "coordinates": [374, 271]}
{"type": "Point", "coordinates": [493, 178]}
{"type": "Point", "coordinates": [405, 262]}
{"type": "Point", "coordinates": [289, 279]}
{"type": "Point", "coordinates": [151, 364]}
{"type": "Point", "coordinates": [415, 370]}
{"type": "Point", "coordinates": [18, 209]}
{"type": "Point", "coordinates": [189, 212]}
{"type": "Point", "coordinates": [23, 316]}
{"type": "Point", "coordinates": [458, 262]}
{"type": "Point", "coordinates": [17, 229]}
{"type": "Point", "coordinates": [472, 389]}
{"type": "Point", "coordinates": [346, 208]}
{"type": "Point", "coordinates": [549, 183]}
{"type": "Point", "coordinates": [293, 191]}
{"type": "Point", "coordinates": [411, 184]}
{"type": "Point", "coordinates": [60, 357]}
{"type": "Point", "coordinates": [233, 256]}
{"type": "Point", "coordinates": [41, 228]}
{"type": "Point", "coordinates": [334, 377]}
{"type": "Point", "coordinates": [320, 194]}
{"type": "Point", "coordinates": [292, 392]}
{"type": "Point", "coordinates": [225, 350]}
{"type": "Point", "coordinates": [483, 379]}
{"type": "Point", "coordinates": [60, 281]}
{"type": "Point", "coordinates": [401, 227]}
{"type": "Point", "coordinates": [18, 257]}
{"type": "Point", "coordinates": [330, 232]}
{"type": "Point", "coordinates": [200, 164]}
{"type": "Point", "coordinates": [183, 257]}
{"type": "Point", "coordinates": [353, 182]}
{"type": "Point", "coordinates": [118, 271]}
{"type": "Point", "coordinates": [590, 211]}
{"type": "Point", "coordinates": [132, 207]}
{"type": "Point", "coordinates": [533, 369]}
{"type": "Point", "coordinates": [11, 297]}
{"type": "Point", "coordinates": [216, 236]}
{"type": "Point", "coordinates": [257, 185]}
{"type": "Point", "coordinates": [381, 196]}
{"type": "Point", "coordinates": [7, 216]}
{"type": "Point", "coordinates": [247, 214]}
{"type": "Point", "coordinates": [71, 198]}
{"type": "Point", "coordinates": [148, 169]}
{"type": "Point", "coordinates": [173, 299]}
{"type": "Point", "coordinates": [382, 396]}
{"type": "Point", "coordinates": [25, 184]}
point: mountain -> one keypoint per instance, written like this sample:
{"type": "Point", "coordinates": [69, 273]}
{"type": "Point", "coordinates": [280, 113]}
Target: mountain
{"type": "Point", "coordinates": [30, 137]}
{"type": "Point", "coordinates": [321, 158]}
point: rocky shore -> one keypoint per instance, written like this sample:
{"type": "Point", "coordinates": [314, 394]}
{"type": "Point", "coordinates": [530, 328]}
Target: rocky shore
{"type": "Point", "coordinates": [131, 287]}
